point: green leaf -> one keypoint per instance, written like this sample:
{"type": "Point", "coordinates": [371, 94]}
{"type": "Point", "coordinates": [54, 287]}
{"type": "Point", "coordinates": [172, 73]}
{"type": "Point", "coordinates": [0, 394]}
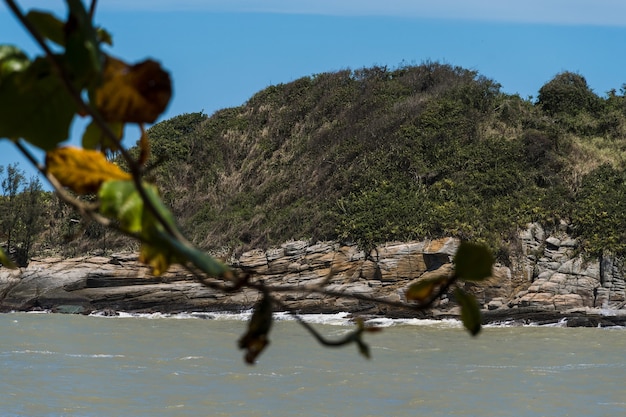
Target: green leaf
{"type": "Point", "coordinates": [82, 50]}
{"type": "Point", "coordinates": [35, 106]}
{"type": "Point", "coordinates": [423, 290]}
{"type": "Point", "coordinates": [200, 259]}
{"type": "Point", "coordinates": [104, 36]}
{"type": "Point", "coordinates": [473, 262]}
{"type": "Point", "coordinates": [183, 250]}
{"type": "Point", "coordinates": [121, 201]}
{"type": "Point", "coordinates": [47, 25]}
{"type": "Point", "coordinates": [12, 59]}
{"type": "Point", "coordinates": [470, 311]}
{"type": "Point", "coordinates": [4, 260]}
{"type": "Point", "coordinates": [94, 137]}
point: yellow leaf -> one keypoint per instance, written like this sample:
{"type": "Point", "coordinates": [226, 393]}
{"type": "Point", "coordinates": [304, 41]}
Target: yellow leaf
{"type": "Point", "coordinates": [134, 94]}
{"type": "Point", "coordinates": [158, 260]}
{"type": "Point", "coordinates": [423, 290]}
{"type": "Point", "coordinates": [82, 170]}
{"type": "Point", "coordinates": [6, 261]}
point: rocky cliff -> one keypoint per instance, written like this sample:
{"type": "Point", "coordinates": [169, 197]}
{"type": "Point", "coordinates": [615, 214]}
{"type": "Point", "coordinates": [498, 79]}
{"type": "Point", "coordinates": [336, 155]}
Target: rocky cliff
{"type": "Point", "coordinates": [547, 279]}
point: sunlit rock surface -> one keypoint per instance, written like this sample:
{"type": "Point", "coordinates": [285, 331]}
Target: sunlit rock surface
{"type": "Point", "coordinates": [545, 276]}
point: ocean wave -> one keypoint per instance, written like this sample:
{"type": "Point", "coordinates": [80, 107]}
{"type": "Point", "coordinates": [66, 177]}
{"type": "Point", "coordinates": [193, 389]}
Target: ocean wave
{"type": "Point", "coordinates": [70, 355]}
{"type": "Point", "coordinates": [93, 355]}
{"type": "Point", "coordinates": [337, 319]}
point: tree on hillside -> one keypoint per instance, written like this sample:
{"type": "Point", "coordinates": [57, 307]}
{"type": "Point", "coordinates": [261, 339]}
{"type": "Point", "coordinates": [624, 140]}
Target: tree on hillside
{"type": "Point", "coordinates": [12, 183]}
{"type": "Point", "coordinates": [39, 99]}
{"type": "Point", "coordinates": [21, 212]}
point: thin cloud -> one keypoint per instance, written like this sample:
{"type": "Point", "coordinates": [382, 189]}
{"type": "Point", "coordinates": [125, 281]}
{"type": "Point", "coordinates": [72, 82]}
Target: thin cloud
{"type": "Point", "coordinates": [568, 12]}
{"type": "Point", "coordinates": [587, 12]}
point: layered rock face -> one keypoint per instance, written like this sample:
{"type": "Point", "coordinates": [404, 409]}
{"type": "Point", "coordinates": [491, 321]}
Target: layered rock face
{"type": "Point", "coordinates": [547, 275]}
{"type": "Point", "coordinates": [121, 283]}
{"type": "Point", "coordinates": [560, 279]}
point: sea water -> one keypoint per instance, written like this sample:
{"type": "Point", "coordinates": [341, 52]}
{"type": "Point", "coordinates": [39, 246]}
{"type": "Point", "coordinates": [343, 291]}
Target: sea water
{"type": "Point", "coordinates": [69, 365]}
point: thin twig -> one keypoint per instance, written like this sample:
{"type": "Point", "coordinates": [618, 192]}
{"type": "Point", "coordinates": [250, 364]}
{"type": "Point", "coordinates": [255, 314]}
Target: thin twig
{"type": "Point", "coordinates": [92, 9]}
{"type": "Point", "coordinates": [349, 338]}
{"type": "Point", "coordinates": [356, 296]}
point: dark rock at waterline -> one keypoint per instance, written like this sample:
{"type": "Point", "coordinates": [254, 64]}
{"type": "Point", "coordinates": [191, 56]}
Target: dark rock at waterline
{"type": "Point", "coordinates": [536, 316]}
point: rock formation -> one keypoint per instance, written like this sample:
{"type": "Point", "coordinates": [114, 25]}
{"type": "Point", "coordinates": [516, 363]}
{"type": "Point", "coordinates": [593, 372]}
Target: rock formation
{"type": "Point", "coordinates": [561, 279]}
{"type": "Point", "coordinates": [547, 278]}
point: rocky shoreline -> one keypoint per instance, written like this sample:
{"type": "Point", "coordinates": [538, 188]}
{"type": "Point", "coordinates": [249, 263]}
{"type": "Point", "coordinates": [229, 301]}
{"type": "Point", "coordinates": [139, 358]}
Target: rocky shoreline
{"type": "Point", "coordinates": [546, 282]}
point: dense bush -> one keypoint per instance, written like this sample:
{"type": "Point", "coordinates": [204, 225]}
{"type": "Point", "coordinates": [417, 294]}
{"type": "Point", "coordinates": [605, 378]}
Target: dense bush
{"type": "Point", "coordinates": [600, 211]}
{"type": "Point", "coordinates": [568, 93]}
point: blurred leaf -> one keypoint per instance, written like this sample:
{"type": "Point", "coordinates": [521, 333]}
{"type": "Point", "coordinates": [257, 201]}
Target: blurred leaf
{"type": "Point", "coordinates": [12, 59]}
{"type": "Point", "coordinates": [134, 94]}
{"type": "Point", "coordinates": [470, 311]}
{"type": "Point", "coordinates": [473, 262]}
{"type": "Point", "coordinates": [34, 104]}
{"type": "Point", "coordinates": [357, 337]}
{"type": "Point", "coordinates": [256, 338]}
{"type": "Point", "coordinates": [364, 349]}
{"type": "Point", "coordinates": [203, 261]}
{"type": "Point", "coordinates": [160, 249]}
{"type": "Point", "coordinates": [95, 138]}
{"type": "Point", "coordinates": [47, 25]}
{"type": "Point", "coordinates": [157, 257]}
{"type": "Point", "coordinates": [121, 201]}
{"type": "Point", "coordinates": [424, 289]}
{"type": "Point", "coordinates": [82, 170]}
{"type": "Point", "coordinates": [82, 50]}
{"type": "Point", "coordinates": [104, 36]}
{"type": "Point", "coordinates": [4, 260]}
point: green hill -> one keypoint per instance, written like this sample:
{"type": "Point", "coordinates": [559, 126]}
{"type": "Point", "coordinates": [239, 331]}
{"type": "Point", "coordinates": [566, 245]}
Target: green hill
{"type": "Point", "coordinates": [380, 154]}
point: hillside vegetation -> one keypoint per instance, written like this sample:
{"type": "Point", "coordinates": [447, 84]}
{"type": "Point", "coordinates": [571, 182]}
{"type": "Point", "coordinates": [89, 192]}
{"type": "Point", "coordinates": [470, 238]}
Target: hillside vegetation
{"type": "Point", "coordinates": [379, 154]}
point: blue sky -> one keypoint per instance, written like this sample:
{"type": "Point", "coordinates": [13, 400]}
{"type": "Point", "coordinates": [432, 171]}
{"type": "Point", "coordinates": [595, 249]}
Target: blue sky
{"type": "Point", "coordinates": [220, 52]}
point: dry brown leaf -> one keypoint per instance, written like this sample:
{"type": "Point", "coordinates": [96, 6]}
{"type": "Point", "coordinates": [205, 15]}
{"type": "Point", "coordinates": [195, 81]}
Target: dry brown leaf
{"type": "Point", "coordinates": [133, 94]}
{"type": "Point", "coordinates": [82, 170]}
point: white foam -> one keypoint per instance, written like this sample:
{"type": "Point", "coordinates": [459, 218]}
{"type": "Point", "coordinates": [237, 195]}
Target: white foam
{"type": "Point", "coordinates": [94, 355]}
{"type": "Point", "coordinates": [337, 319]}
{"type": "Point", "coordinates": [443, 323]}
